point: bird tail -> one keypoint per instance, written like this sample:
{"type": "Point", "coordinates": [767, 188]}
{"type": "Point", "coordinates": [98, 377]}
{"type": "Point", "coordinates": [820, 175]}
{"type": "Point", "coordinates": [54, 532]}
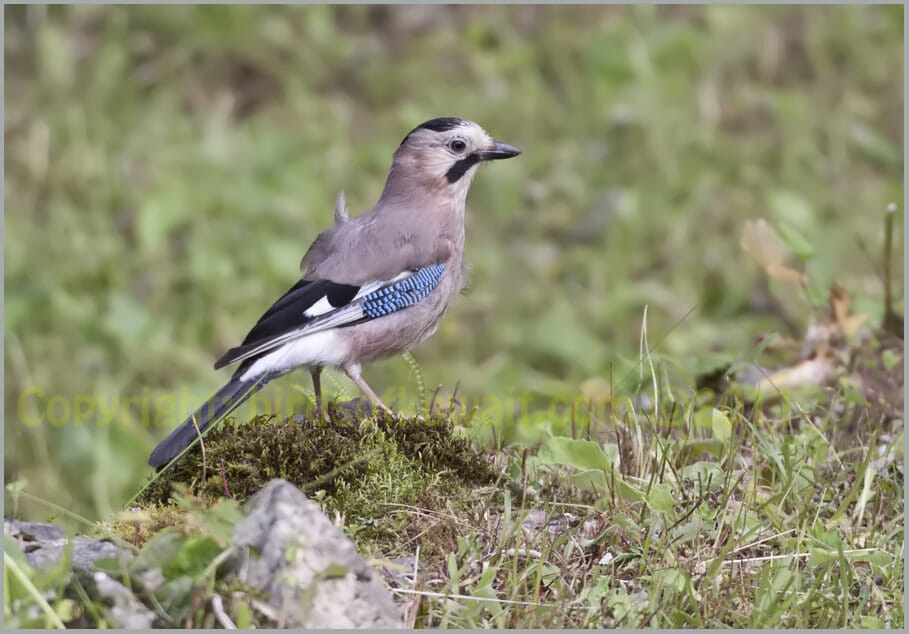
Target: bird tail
{"type": "Point", "coordinates": [221, 403]}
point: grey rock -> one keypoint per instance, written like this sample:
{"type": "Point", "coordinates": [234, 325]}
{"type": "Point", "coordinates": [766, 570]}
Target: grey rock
{"type": "Point", "coordinates": [125, 610]}
{"type": "Point", "coordinates": [306, 566]}
{"type": "Point", "coordinates": [43, 545]}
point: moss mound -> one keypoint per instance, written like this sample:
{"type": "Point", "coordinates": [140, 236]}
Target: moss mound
{"type": "Point", "coordinates": [377, 470]}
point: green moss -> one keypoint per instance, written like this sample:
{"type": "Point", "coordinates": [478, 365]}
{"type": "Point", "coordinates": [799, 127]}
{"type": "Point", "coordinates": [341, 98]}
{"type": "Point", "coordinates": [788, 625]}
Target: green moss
{"type": "Point", "coordinates": [367, 470]}
{"type": "Point", "coordinates": [138, 526]}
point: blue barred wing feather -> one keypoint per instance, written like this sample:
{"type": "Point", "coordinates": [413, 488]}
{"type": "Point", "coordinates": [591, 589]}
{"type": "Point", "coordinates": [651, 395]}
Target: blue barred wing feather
{"type": "Point", "coordinates": [339, 305]}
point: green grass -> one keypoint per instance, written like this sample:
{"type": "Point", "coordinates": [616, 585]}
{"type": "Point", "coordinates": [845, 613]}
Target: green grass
{"type": "Point", "coordinates": [165, 169]}
{"type": "Point", "coordinates": [700, 513]}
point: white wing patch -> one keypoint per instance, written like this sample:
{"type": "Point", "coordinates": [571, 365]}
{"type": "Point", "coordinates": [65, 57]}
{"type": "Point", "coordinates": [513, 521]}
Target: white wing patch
{"type": "Point", "coordinates": [324, 306]}
{"type": "Point", "coordinates": [321, 348]}
{"type": "Point", "coordinates": [328, 318]}
{"type": "Point", "coordinates": [319, 308]}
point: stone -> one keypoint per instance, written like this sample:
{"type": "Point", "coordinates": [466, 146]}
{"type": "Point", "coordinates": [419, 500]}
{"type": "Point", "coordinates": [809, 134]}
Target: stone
{"type": "Point", "coordinates": [306, 566]}
{"type": "Point", "coordinates": [43, 545]}
{"type": "Point", "coordinates": [124, 610]}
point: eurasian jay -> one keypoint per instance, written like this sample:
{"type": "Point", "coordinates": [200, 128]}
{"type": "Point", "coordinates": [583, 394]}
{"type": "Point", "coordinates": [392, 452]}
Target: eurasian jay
{"type": "Point", "coordinates": [373, 286]}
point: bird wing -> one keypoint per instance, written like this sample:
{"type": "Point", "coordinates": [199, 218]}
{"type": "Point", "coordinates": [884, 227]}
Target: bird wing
{"type": "Point", "coordinates": [312, 306]}
{"type": "Point", "coordinates": [354, 270]}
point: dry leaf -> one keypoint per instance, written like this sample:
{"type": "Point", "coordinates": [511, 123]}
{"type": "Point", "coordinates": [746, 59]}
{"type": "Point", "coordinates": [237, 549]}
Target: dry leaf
{"type": "Point", "coordinates": [840, 303]}
{"type": "Point", "coordinates": [763, 244]}
{"type": "Point", "coordinates": [817, 371]}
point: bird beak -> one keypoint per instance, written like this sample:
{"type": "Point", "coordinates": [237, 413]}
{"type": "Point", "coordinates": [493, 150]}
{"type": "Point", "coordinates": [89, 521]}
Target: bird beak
{"type": "Point", "coordinates": [500, 151]}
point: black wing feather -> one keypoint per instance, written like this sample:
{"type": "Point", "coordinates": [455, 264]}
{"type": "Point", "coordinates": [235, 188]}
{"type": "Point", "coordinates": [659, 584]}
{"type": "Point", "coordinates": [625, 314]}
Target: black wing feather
{"type": "Point", "coordinates": [286, 314]}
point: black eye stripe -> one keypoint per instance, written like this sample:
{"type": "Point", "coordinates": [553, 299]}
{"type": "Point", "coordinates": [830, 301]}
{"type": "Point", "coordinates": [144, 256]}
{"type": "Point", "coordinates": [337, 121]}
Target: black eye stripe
{"type": "Point", "coordinates": [456, 171]}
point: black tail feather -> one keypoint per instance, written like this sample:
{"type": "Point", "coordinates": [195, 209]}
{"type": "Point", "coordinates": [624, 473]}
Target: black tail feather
{"type": "Point", "coordinates": [221, 403]}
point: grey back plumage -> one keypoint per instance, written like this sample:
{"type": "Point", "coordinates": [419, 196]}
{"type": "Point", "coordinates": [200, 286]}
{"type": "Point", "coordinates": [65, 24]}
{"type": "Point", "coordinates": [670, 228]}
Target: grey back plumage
{"type": "Point", "coordinates": [375, 246]}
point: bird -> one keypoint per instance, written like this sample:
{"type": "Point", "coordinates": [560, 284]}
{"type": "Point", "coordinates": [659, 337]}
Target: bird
{"type": "Point", "coordinates": [372, 286]}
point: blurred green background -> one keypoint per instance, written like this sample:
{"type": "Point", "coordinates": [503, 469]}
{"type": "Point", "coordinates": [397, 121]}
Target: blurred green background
{"type": "Point", "coordinates": [166, 167]}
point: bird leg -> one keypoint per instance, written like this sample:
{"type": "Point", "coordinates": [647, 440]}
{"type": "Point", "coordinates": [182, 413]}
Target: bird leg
{"type": "Point", "coordinates": [316, 374]}
{"type": "Point", "coordinates": [353, 371]}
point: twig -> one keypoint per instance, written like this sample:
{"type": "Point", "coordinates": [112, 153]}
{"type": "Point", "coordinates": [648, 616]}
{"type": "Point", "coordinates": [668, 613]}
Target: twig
{"type": "Point", "coordinates": [217, 606]}
{"type": "Point", "coordinates": [224, 480]}
{"type": "Point", "coordinates": [425, 512]}
{"type": "Point", "coordinates": [266, 610]}
{"type": "Point", "coordinates": [762, 541]}
{"type": "Point", "coordinates": [792, 556]}
{"type": "Point", "coordinates": [891, 323]}
{"type": "Point", "coordinates": [201, 445]}
{"type": "Point", "coordinates": [442, 595]}
{"type": "Point", "coordinates": [413, 608]}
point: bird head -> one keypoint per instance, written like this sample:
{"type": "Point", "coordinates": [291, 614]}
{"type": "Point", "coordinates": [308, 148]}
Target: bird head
{"type": "Point", "coordinates": [444, 153]}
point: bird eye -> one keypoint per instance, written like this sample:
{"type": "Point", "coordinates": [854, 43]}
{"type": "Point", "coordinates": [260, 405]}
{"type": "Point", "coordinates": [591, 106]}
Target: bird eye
{"type": "Point", "coordinates": [457, 145]}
